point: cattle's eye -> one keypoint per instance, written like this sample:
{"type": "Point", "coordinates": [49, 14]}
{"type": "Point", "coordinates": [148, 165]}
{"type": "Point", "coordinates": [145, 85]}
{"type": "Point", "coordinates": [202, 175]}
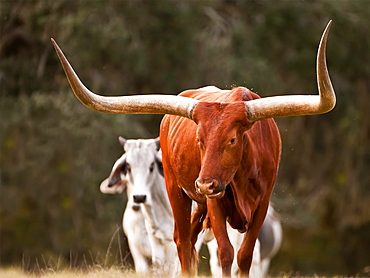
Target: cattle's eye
{"type": "Point", "coordinates": [151, 167]}
{"type": "Point", "coordinates": [232, 141]}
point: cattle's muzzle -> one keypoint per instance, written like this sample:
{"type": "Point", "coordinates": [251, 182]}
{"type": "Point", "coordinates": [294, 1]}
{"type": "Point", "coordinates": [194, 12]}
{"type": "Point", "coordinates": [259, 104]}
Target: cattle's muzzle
{"type": "Point", "coordinates": [211, 188]}
{"type": "Point", "coordinates": [139, 198]}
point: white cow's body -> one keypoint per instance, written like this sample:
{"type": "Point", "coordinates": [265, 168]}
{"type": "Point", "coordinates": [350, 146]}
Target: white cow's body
{"type": "Point", "coordinates": [147, 220]}
{"type": "Point", "coordinates": [148, 224]}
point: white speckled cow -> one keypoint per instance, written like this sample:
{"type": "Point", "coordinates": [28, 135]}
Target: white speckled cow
{"type": "Point", "coordinates": [147, 220]}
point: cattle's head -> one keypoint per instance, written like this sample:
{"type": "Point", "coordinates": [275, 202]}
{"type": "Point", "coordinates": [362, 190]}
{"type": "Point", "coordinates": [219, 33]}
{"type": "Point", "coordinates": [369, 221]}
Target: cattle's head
{"type": "Point", "coordinates": [140, 167]}
{"type": "Point", "coordinates": [220, 139]}
{"type": "Point", "coordinates": [226, 148]}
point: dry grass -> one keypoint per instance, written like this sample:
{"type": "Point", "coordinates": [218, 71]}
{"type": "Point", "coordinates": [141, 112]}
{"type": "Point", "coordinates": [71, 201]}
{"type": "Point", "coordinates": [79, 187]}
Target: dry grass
{"type": "Point", "coordinates": [98, 272]}
{"type": "Point", "coordinates": [94, 272]}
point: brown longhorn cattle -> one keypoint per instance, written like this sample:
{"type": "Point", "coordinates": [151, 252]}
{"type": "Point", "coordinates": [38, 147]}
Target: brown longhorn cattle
{"type": "Point", "coordinates": [220, 148]}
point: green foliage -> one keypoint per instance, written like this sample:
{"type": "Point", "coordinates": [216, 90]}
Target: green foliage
{"type": "Point", "coordinates": [54, 152]}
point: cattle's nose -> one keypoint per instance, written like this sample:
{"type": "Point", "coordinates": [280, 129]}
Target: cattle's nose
{"type": "Point", "coordinates": [139, 198]}
{"type": "Point", "coordinates": [207, 186]}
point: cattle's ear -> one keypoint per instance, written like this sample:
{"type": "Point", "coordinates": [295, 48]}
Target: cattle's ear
{"type": "Point", "coordinates": [118, 188]}
{"type": "Point", "coordinates": [120, 166]}
{"type": "Point", "coordinates": [122, 141]}
{"type": "Point", "coordinates": [156, 140]}
{"type": "Point", "coordinates": [158, 161]}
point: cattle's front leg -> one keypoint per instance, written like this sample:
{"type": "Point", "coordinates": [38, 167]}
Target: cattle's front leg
{"type": "Point", "coordinates": [158, 252]}
{"type": "Point", "coordinates": [225, 248]}
{"type": "Point", "coordinates": [137, 237]}
{"type": "Point", "coordinates": [164, 257]}
{"type": "Point", "coordinates": [172, 258]}
{"type": "Point", "coordinates": [245, 254]}
{"type": "Point", "coordinates": [164, 253]}
{"type": "Point", "coordinates": [181, 208]}
{"type": "Point", "coordinates": [141, 262]}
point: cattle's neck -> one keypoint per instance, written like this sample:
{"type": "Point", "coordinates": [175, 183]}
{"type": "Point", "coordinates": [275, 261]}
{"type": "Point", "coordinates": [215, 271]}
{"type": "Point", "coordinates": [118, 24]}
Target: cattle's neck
{"type": "Point", "coordinates": [158, 213]}
{"type": "Point", "coordinates": [220, 140]}
{"type": "Point", "coordinates": [160, 199]}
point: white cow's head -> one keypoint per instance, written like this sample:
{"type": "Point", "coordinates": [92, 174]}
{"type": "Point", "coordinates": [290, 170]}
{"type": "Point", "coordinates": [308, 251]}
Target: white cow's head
{"type": "Point", "coordinates": [138, 169]}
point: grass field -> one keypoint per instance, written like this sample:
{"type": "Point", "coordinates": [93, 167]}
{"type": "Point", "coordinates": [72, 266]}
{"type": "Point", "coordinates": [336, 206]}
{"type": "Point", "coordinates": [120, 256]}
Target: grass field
{"type": "Point", "coordinates": [98, 272]}
{"type": "Point", "coordinates": [93, 272]}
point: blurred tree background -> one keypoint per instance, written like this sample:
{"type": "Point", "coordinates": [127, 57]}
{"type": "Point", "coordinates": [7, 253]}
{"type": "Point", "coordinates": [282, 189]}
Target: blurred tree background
{"type": "Point", "coordinates": [55, 152]}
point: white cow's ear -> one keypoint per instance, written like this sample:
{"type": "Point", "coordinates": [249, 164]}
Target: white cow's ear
{"type": "Point", "coordinates": [122, 141]}
{"type": "Point", "coordinates": [156, 140]}
{"type": "Point", "coordinates": [117, 188]}
{"type": "Point", "coordinates": [116, 182]}
{"type": "Point", "coordinates": [119, 167]}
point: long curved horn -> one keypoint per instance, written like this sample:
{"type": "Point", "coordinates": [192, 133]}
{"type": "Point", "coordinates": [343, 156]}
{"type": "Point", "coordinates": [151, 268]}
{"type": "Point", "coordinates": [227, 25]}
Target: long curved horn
{"type": "Point", "coordinates": [144, 104]}
{"type": "Point", "coordinates": [295, 105]}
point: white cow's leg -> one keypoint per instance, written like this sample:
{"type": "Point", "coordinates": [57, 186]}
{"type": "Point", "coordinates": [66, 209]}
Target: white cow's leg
{"type": "Point", "coordinates": [265, 263]}
{"type": "Point", "coordinates": [164, 251]}
{"type": "Point", "coordinates": [256, 267]}
{"type": "Point", "coordinates": [198, 244]}
{"type": "Point", "coordinates": [236, 239]}
{"type": "Point", "coordinates": [141, 262]}
{"type": "Point", "coordinates": [158, 255]}
{"type": "Point", "coordinates": [172, 257]}
{"type": "Point", "coordinates": [134, 228]}
{"type": "Point", "coordinates": [167, 261]}
{"type": "Point", "coordinates": [214, 263]}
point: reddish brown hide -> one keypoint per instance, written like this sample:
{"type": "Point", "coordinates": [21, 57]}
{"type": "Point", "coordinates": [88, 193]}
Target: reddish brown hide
{"type": "Point", "coordinates": [228, 158]}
